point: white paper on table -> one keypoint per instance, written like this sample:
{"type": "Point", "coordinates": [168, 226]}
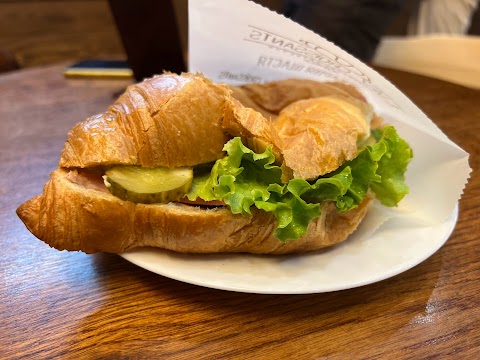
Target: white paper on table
{"type": "Point", "coordinates": [238, 41]}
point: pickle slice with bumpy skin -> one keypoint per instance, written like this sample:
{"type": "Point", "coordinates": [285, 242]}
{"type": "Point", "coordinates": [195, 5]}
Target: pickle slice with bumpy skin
{"type": "Point", "coordinates": [148, 185]}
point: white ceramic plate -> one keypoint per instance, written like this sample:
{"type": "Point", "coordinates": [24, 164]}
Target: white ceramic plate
{"type": "Point", "coordinates": [396, 246]}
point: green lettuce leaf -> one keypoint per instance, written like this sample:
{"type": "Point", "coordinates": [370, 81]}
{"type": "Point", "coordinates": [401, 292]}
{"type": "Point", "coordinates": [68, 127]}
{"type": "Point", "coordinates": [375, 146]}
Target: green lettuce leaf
{"type": "Point", "coordinates": [391, 167]}
{"type": "Point", "coordinates": [243, 179]}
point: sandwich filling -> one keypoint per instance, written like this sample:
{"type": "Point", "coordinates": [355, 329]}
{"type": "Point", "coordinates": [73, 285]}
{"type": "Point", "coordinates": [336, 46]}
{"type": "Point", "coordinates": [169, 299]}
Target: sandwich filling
{"type": "Point", "coordinates": [244, 179]}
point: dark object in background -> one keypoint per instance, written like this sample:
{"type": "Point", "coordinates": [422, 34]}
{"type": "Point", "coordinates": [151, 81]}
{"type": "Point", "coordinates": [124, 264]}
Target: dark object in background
{"type": "Point", "coordinates": [117, 69]}
{"type": "Point", "coordinates": [474, 28]}
{"type": "Point", "coordinates": [7, 61]}
{"type": "Point", "coordinates": [354, 25]}
{"type": "Point", "coordinates": [150, 35]}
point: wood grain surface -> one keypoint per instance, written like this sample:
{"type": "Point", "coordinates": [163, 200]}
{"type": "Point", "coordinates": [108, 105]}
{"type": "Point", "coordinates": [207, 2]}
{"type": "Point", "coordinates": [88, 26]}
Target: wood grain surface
{"type": "Point", "coordinates": [75, 306]}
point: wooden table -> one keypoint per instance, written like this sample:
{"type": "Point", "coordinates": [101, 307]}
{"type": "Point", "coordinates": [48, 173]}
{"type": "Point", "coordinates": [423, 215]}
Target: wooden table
{"type": "Point", "coordinates": [75, 306]}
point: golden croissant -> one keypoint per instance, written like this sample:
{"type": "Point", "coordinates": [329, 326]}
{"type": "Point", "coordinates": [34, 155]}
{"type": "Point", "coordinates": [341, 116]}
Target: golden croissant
{"type": "Point", "coordinates": [181, 163]}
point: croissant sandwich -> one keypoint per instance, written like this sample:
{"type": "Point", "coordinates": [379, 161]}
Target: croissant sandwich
{"type": "Point", "coordinates": [181, 163]}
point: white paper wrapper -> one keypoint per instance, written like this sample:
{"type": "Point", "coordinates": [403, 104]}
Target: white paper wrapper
{"type": "Point", "coordinates": [238, 41]}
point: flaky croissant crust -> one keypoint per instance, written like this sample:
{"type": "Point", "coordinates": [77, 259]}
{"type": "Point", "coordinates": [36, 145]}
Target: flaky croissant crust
{"type": "Point", "coordinates": [168, 120]}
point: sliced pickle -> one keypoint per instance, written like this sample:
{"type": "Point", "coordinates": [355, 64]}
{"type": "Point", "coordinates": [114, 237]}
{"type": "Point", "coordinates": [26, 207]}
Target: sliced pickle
{"type": "Point", "coordinates": [148, 185]}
